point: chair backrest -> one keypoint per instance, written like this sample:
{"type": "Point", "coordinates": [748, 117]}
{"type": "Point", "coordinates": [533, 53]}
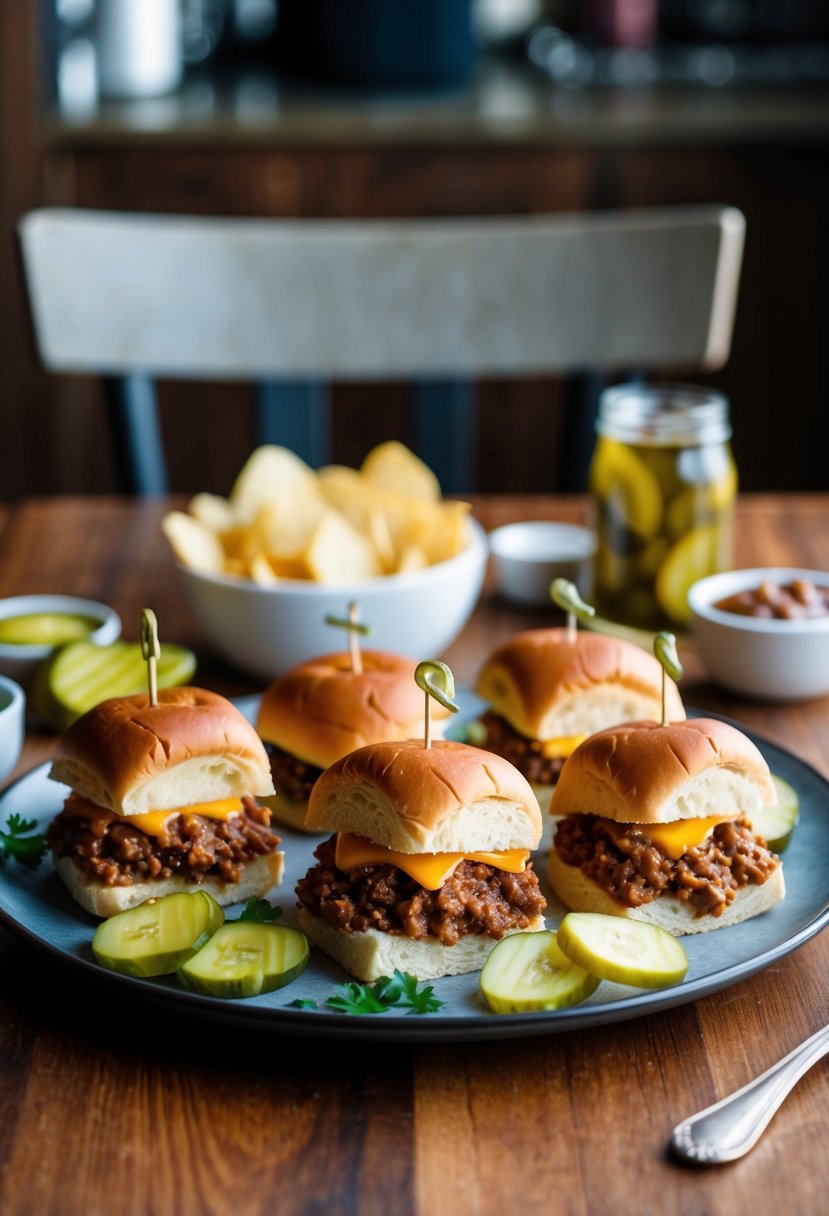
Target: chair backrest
{"type": "Point", "coordinates": [289, 301]}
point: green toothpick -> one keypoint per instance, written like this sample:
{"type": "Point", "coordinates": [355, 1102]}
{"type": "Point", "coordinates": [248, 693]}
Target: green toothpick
{"type": "Point", "coordinates": [437, 681]}
{"type": "Point", "coordinates": [565, 594]}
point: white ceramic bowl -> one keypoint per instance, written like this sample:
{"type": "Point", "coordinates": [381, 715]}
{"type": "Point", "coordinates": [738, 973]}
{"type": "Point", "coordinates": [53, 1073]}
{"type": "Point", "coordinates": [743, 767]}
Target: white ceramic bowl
{"type": "Point", "coordinates": [772, 660]}
{"type": "Point", "coordinates": [265, 630]}
{"type": "Point", "coordinates": [20, 662]}
{"type": "Point", "coordinates": [12, 724]}
{"type": "Point", "coordinates": [527, 557]}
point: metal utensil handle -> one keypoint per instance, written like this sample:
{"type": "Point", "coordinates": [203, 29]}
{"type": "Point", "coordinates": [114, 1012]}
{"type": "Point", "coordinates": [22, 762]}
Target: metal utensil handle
{"type": "Point", "coordinates": [729, 1128]}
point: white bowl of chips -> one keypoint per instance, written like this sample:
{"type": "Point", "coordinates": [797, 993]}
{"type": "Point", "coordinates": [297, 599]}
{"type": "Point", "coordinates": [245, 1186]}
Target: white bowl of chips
{"type": "Point", "coordinates": [289, 546]}
{"type": "Point", "coordinates": [263, 630]}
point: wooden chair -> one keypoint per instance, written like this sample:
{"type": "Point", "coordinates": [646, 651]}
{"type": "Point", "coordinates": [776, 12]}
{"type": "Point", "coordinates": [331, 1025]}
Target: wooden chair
{"type": "Point", "coordinates": [294, 304]}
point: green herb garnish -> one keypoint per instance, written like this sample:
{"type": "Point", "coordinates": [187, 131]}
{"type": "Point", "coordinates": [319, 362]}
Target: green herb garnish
{"type": "Point", "coordinates": [303, 1003]}
{"type": "Point", "coordinates": [397, 991]}
{"type": "Point", "coordinates": [260, 911]}
{"type": "Point", "coordinates": [15, 842]}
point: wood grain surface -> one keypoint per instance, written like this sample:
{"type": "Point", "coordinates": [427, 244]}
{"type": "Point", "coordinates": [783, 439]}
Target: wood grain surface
{"type": "Point", "coordinates": [112, 1106]}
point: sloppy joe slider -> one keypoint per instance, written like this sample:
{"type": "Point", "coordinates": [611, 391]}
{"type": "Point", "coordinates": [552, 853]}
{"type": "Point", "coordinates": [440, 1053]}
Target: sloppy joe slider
{"type": "Point", "coordinates": [163, 798]}
{"type": "Point", "coordinates": [429, 862]}
{"type": "Point", "coordinates": [548, 689]}
{"type": "Point", "coordinates": [326, 707]}
{"type": "Point", "coordinates": [657, 826]}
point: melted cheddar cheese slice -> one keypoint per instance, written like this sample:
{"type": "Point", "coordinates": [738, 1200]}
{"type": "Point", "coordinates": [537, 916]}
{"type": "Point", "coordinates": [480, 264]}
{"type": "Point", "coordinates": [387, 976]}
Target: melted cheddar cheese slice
{"type": "Point", "coordinates": [153, 822]}
{"type": "Point", "coordinates": [677, 838]}
{"type": "Point", "coordinates": [429, 870]}
{"type": "Point", "coordinates": [561, 748]}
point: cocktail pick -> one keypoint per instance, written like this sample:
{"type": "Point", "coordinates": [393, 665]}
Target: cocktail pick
{"type": "Point", "coordinates": [664, 647]}
{"type": "Point", "coordinates": [355, 628]}
{"type": "Point", "coordinates": [437, 681]}
{"type": "Point", "coordinates": [150, 650]}
{"type": "Point", "coordinates": [565, 594]}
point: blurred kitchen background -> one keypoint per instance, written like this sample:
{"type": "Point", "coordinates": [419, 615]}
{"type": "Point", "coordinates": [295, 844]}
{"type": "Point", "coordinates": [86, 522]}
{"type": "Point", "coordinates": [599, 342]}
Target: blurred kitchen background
{"type": "Point", "coordinates": [369, 108]}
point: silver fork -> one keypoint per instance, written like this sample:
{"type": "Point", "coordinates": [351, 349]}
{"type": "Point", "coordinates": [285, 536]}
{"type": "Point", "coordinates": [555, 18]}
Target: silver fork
{"type": "Point", "coordinates": [729, 1128]}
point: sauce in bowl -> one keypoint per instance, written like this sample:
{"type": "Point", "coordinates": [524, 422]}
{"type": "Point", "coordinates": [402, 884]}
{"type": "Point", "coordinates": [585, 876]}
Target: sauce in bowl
{"type": "Point", "coordinates": [795, 601]}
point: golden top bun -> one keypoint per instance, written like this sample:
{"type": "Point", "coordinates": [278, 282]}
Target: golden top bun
{"type": "Point", "coordinates": [547, 687]}
{"type": "Point", "coordinates": [447, 798]}
{"type": "Point", "coordinates": [132, 757]}
{"type": "Point", "coordinates": [320, 710]}
{"type": "Point", "coordinates": [642, 772]}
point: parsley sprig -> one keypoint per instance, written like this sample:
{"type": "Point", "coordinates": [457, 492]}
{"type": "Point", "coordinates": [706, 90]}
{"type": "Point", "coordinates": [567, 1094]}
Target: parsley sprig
{"type": "Point", "coordinates": [260, 911]}
{"type": "Point", "coordinates": [17, 843]}
{"type": "Point", "coordinates": [396, 991]}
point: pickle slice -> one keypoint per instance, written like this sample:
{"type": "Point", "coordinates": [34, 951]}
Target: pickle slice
{"type": "Point", "coordinates": [159, 935]}
{"type": "Point", "coordinates": [776, 823]}
{"type": "Point", "coordinates": [624, 951]}
{"type": "Point", "coordinates": [81, 675]}
{"type": "Point", "coordinates": [45, 628]}
{"type": "Point", "coordinates": [689, 559]}
{"type": "Point", "coordinates": [618, 473]}
{"type": "Point", "coordinates": [244, 958]}
{"type": "Point", "coordinates": [526, 972]}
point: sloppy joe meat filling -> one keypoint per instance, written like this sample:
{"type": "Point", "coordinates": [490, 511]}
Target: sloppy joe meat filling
{"type": "Point", "coordinates": [475, 899]}
{"type": "Point", "coordinates": [294, 778]}
{"type": "Point", "coordinates": [627, 864]}
{"type": "Point", "coordinates": [525, 754]}
{"type": "Point", "coordinates": [116, 853]}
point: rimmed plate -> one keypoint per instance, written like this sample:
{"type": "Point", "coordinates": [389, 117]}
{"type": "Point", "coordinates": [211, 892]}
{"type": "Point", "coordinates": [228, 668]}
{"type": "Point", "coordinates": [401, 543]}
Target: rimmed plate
{"type": "Point", "coordinates": [36, 906]}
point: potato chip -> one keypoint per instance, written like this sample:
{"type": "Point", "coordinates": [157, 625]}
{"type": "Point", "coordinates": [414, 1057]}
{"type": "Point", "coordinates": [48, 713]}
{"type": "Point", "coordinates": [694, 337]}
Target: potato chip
{"type": "Point", "coordinates": [193, 544]}
{"type": "Point", "coordinates": [283, 521]}
{"type": "Point", "coordinates": [392, 466]}
{"type": "Point", "coordinates": [412, 558]}
{"type": "Point", "coordinates": [261, 571]}
{"type": "Point", "coordinates": [285, 524]}
{"type": "Point", "coordinates": [268, 471]}
{"type": "Point", "coordinates": [211, 510]}
{"type": "Point", "coordinates": [338, 553]}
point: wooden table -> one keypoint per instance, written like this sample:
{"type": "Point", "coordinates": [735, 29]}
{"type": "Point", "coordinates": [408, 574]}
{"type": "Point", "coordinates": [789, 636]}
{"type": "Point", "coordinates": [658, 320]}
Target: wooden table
{"type": "Point", "coordinates": [111, 1108]}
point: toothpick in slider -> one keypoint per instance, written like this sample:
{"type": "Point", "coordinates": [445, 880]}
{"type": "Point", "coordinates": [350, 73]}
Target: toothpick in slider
{"type": "Point", "coordinates": [437, 681]}
{"type": "Point", "coordinates": [565, 594]}
{"type": "Point", "coordinates": [150, 650]}
{"type": "Point", "coordinates": [355, 628]}
{"type": "Point", "coordinates": [664, 647]}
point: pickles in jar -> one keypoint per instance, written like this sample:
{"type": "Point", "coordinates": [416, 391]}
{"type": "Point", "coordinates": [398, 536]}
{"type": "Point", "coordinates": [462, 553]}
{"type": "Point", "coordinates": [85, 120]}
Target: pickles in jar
{"type": "Point", "coordinates": [663, 483]}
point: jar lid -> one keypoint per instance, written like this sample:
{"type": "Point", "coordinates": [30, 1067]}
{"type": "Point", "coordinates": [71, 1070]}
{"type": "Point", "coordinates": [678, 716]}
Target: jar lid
{"type": "Point", "coordinates": [663, 414]}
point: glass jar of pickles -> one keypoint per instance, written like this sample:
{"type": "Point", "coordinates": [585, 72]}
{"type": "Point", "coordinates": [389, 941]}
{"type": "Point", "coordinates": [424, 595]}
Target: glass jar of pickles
{"type": "Point", "coordinates": [663, 483]}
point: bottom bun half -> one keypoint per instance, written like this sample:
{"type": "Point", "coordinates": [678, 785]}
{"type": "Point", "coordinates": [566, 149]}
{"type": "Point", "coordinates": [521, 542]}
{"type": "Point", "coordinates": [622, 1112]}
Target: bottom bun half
{"type": "Point", "coordinates": [258, 877]}
{"type": "Point", "coordinates": [579, 893]}
{"type": "Point", "coordinates": [371, 954]}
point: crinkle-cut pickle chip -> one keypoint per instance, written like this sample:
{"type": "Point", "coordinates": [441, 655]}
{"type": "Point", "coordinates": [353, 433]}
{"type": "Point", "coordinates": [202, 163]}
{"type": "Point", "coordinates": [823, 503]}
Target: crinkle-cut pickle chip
{"type": "Point", "coordinates": [776, 823]}
{"type": "Point", "coordinates": [159, 935]}
{"type": "Point", "coordinates": [527, 972]}
{"type": "Point", "coordinates": [623, 951]}
{"type": "Point", "coordinates": [617, 472]}
{"type": "Point", "coordinates": [689, 559]}
{"type": "Point", "coordinates": [246, 958]}
{"type": "Point", "coordinates": [81, 675]}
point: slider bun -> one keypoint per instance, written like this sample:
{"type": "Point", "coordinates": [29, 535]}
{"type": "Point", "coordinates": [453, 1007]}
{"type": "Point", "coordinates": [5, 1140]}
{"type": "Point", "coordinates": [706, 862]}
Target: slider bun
{"type": "Point", "coordinates": [258, 877]}
{"type": "Point", "coordinates": [581, 894]}
{"type": "Point", "coordinates": [370, 954]}
{"type": "Point", "coordinates": [448, 798]}
{"type": "Point", "coordinates": [642, 772]}
{"type": "Point", "coordinates": [547, 687]}
{"type": "Point", "coordinates": [320, 710]}
{"type": "Point", "coordinates": [130, 757]}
